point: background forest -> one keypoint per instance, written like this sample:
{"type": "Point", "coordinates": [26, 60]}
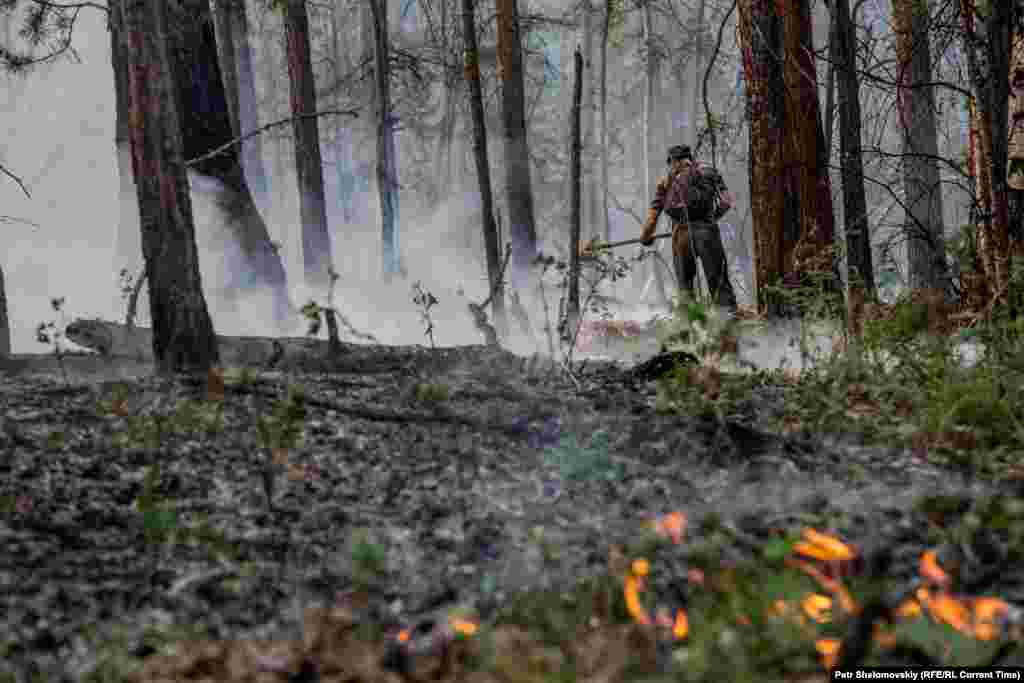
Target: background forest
{"type": "Point", "coordinates": [647, 65]}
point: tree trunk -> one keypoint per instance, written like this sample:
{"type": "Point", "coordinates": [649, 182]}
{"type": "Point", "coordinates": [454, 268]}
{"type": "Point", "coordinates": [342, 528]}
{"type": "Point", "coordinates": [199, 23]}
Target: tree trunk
{"type": "Point", "coordinates": [808, 177]}
{"type": "Point", "coordinates": [183, 336]}
{"type": "Point", "coordinates": [5, 321]}
{"type": "Point", "coordinates": [761, 36]}
{"type": "Point", "coordinates": [830, 86]}
{"type": "Point", "coordinates": [999, 41]}
{"type": "Point", "coordinates": [603, 221]}
{"type": "Point", "coordinates": [518, 188]}
{"type": "Point", "coordinates": [387, 166]}
{"type": "Point", "coordinates": [698, 71]}
{"type": "Point", "coordinates": [206, 125]}
{"type": "Point", "coordinates": [316, 240]}
{"type": "Point", "coordinates": [231, 26]}
{"type": "Point", "coordinates": [861, 274]}
{"type": "Point", "coordinates": [651, 129]}
{"type": "Point", "coordinates": [590, 195]}
{"type": "Point", "coordinates": [980, 120]}
{"type": "Point", "coordinates": [483, 168]}
{"type": "Point", "coordinates": [129, 250]}
{"type": "Point", "coordinates": [573, 309]}
{"type": "Point", "coordinates": [923, 225]}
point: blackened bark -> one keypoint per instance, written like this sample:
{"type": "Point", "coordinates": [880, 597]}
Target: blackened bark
{"type": "Point", "coordinates": [387, 166]}
{"type": "Point", "coordinates": [231, 26]}
{"type": "Point", "coordinates": [518, 187]}
{"type": "Point", "coordinates": [5, 322]}
{"type": "Point", "coordinates": [574, 198]}
{"type": "Point", "coordinates": [316, 242]}
{"type": "Point", "coordinates": [183, 336]}
{"type": "Point", "coordinates": [206, 125]}
{"type": "Point", "coordinates": [923, 225]}
{"type": "Point", "coordinates": [483, 168]}
{"type": "Point", "coordinates": [858, 239]}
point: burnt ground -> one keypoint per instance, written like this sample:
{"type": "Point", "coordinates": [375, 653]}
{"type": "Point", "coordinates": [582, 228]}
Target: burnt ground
{"type": "Point", "coordinates": [471, 498]}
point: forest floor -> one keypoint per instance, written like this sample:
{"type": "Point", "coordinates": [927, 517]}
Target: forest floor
{"type": "Point", "coordinates": [469, 514]}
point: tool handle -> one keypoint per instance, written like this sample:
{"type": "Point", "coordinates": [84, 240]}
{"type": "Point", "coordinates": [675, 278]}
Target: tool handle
{"type": "Point", "coordinates": [636, 240]}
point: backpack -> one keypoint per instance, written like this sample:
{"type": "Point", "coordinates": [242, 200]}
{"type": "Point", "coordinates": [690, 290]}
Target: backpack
{"type": "Point", "coordinates": [702, 200]}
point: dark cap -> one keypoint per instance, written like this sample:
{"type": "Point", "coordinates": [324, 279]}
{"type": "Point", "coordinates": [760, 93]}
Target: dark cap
{"type": "Point", "coordinates": [679, 152]}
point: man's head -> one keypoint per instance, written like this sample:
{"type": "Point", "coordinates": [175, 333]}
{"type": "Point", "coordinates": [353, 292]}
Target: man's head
{"type": "Point", "coordinates": [679, 157]}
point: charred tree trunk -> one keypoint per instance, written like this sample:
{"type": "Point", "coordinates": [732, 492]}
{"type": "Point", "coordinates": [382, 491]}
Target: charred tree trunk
{"type": "Point", "coordinates": [861, 273]}
{"type": "Point", "coordinates": [573, 309]}
{"type": "Point", "coordinates": [231, 26]}
{"type": "Point", "coordinates": [483, 168]}
{"type": "Point", "coordinates": [183, 336]}
{"type": "Point", "coordinates": [518, 187]}
{"type": "Point", "coordinates": [387, 166]}
{"type": "Point", "coordinates": [923, 226]}
{"type": "Point", "coordinates": [761, 35]}
{"type": "Point", "coordinates": [604, 221]}
{"type": "Point", "coordinates": [5, 322]}
{"type": "Point", "coordinates": [316, 241]}
{"type": "Point", "coordinates": [206, 125]}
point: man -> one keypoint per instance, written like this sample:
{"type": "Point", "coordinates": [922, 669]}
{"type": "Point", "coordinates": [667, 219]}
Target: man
{"type": "Point", "coordinates": [695, 197]}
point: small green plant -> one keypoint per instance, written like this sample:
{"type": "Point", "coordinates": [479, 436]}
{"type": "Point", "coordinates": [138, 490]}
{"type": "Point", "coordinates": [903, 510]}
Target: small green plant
{"type": "Point", "coordinates": [52, 333]}
{"type": "Point", "coordinates": [368, 559]}
{"type": "Point", "coordinates": [428, 392]}
{"type": "Point", "coordinates": [159, 518]}
{"type": "Point", "coordinates": [425, 300]}
{"type": "Point", "coordinates": [579, 462]}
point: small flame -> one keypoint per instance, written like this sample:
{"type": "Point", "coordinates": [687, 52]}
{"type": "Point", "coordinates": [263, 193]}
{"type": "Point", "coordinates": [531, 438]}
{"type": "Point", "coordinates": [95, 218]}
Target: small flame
{"type": "Point", "coordinates": [823, 547]}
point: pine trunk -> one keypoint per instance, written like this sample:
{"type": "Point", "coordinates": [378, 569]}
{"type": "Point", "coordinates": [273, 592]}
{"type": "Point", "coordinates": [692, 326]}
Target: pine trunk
{"type": "Point", "coordinates": [923, 227]}
{"type": "Point", "coordinates": [761, 36]}
{"type": "Point", "coordinates": [518, 188]}
{"type": "Point", "coordinates": [573, 311]}
{"type": "Point", "coordinates": [483, 168]}
{"type": "Point", "coordinates": [387, 165]}
{"type": "Point", "coordinates": [860, 268]}
{"type": "Point", "coordinates": [183, 336]}
{"type": "Point", "coordinates": [316, 240]}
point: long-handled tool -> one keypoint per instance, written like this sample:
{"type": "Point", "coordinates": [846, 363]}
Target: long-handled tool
{"type": "Point", "coordinates": [588, 247]}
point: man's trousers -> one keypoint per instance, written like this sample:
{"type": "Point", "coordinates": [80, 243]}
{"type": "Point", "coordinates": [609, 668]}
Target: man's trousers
{"type": "Point", "coordinates": [704, 241]}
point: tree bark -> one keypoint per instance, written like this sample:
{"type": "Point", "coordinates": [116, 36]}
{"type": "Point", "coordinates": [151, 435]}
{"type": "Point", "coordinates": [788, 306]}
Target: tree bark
{"type": "Point", "coordinates": [5, 321]}
{"type": "Point", "coordinates": [999, 41]}
{"type": "Point", "coordinates": [518, 187]}
{"type": "Point", "coordinates": [590, 182]}
{"type": "Point", "coordinates": [183, 336]}
{"type": "Point", "coordinates": [861, 277]}
{"type": "Point", "coordinates": [830, 85]}
{"type": "Point", "coordinates": [651, 129]}
{"type": "Point", "coordinates": [206, 125]}
{"type": "Point", "coordinates": [923, 225]}
{"type": "Point", "coordinates": [316, 240]}
{"type": "Point", "coordinates": [573, 309]}
{"type": "Point", "coordinates": [231, 26]}
{"type": "Point", "coordinates": [698, 71]}
{"type": "Point", "coordinates": [129, 250]}
{"type": "Point", "coordinates": [761, 37]}
{"type": "Point", "coordinates": [483, 168]}
{"type": "Point", "coordinates": [810, 218]}
{"type": "Point", "coordinates": [604, 221]}
{"type": "Point", "coordinates": [387, 166]}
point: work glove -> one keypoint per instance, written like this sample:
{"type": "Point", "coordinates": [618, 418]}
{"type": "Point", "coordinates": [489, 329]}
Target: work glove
{"type": "Point", "coordinates": [650, 225]}
{"type": "Point", "coordinates": [586, 248]}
